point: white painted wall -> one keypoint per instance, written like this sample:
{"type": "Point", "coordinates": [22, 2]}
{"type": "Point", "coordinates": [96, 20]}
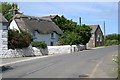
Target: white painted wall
{"type": "Point", "coordinates": [46, 38]}
{"type": "Point", "coordinates": [13, 25]}
{"type": "Point", "coordinates": [65, 49]}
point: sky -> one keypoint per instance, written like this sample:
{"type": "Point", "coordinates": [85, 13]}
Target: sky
{"type": "Point", "coordinates": [92, 13]}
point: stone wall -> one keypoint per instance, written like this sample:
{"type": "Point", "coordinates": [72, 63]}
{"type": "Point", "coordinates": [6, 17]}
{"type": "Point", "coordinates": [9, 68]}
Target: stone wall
{"type": "Point", "coordinates": [65, 49]}
{"type": "Point", "coordinates": [33, 51]}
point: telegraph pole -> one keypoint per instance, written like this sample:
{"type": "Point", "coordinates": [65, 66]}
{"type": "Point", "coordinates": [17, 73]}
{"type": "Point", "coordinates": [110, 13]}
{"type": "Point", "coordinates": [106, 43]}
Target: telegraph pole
{"type": "Point", "coordinates": [104, 33]}
{"type": "Point", "coordinates": [80, 21]}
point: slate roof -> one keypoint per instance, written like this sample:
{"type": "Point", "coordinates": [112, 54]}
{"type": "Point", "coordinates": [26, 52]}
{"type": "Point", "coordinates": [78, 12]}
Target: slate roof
{"type": "Point", "coordinates": [2, 18]}
{"type": "Point", "coordinates": [94, 28]}
{"type": "Point", "coordinates": [32, 23]}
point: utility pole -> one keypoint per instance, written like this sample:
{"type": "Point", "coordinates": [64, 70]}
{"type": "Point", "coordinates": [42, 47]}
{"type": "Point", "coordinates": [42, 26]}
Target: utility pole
{"type": "Point", "coordinates": [80, 21]}
{"type": "Point", "coordinates": [104, 33]}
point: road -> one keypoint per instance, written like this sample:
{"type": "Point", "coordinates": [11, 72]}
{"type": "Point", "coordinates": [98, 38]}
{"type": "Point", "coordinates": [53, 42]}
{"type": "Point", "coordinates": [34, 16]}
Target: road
{"type": "Point", "coordinates": [94, 63]}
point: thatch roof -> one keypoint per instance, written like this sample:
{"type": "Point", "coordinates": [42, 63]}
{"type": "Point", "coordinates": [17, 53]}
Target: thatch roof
{"type": "Point", "coordinates": [31, 23]}
{"type": "Point", "coordinates": [50, 16]}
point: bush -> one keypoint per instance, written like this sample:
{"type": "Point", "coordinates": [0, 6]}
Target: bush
{"type": "Point", "coordinates": [111, 42]}
{"type": "Point", "coordinates": [39, 44]}
{"type": "Point", "coordinates": [18, 39]}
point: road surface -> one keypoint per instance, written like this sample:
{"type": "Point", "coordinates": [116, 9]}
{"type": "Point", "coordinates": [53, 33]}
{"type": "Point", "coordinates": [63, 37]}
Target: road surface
{"type": "Point", "coordinates": [94, 63]}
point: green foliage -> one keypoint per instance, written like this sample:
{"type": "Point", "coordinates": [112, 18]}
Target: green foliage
{"type": "Point", "coordinates": [39, 44]}
{"type": "Point", "coordinates": [18, 40]}
{"type": "Point", "coordinates": [70, 38]}
{"type": "Point", "coordinates": [7, 9]}
{"type": "Point", "coordinates": [112, 39]}
{"type": "Point", "coordinates": [64, 24]}
{"type": "Point", "coordinates": [111, 42]}
{"type": "Point", "coordinates": [78, 35]}
{"type": "Point", "coordinates": [85, 32]}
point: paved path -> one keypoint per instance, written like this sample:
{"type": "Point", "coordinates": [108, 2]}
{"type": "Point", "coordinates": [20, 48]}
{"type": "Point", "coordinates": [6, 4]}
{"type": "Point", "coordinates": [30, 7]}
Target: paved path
{"type": "Point", "coordinates": [96, 63]}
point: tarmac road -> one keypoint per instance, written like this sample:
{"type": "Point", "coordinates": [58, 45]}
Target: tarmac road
{"type": "Point", "coordinates": [94, 63]}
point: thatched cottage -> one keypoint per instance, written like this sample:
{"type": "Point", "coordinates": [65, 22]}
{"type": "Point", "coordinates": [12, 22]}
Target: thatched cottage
{"type": "Point", "coordinates": [42, 29]}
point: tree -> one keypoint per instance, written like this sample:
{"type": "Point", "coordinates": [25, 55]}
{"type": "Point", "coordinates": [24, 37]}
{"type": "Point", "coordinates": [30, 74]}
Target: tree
{"type": "Point", "coordinates": [70, 38]}
{"type": "Point", "coordinates": [85, 32]}
{"type": "Point", "coordinates": [7, 9]}
{"type": "Point", "coordinates": [18, 40]}
{"type": "Point", "coordinates": [64, 24]}
{"type": "Point", "coordinates": [73, 33]}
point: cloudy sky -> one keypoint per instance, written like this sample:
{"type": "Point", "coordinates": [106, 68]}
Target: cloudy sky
{"type": "Point", "coordinates": [90, 12]}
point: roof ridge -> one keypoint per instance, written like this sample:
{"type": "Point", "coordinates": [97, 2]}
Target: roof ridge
{"type": "Point", "coordinates": [31, 17]}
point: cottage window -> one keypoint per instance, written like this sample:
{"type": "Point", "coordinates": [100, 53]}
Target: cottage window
{"type": "Point", "coordinates": [52, 36]}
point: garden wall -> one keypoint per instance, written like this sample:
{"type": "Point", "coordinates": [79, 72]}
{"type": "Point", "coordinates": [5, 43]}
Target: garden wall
{"type": "Point", "coordinates": [65, 49]}
{"type": "Point", "coordinates": [33, 51]}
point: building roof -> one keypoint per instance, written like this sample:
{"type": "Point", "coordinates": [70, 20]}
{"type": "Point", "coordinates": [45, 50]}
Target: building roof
{"type": "Point", "coordinates": [94, 28]}
{"type": "Point", "coordinates": [50, 16]}
{"type": "Point", "coordinates": [31, 23]}
{"type": "Point", "coordinates": [2, 18]}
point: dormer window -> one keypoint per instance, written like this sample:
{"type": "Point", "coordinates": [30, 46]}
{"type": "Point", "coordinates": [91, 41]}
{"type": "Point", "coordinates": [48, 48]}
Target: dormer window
{"type": "Point", "coordinates": [52, 36]}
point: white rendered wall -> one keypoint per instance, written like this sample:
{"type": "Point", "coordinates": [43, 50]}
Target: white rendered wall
{"type": "Point", "coordinates": [13, 25]}
{"type": "Point", "coordinates": [65, 49]}
{"type": "Point", "coordinates": [46, 38]}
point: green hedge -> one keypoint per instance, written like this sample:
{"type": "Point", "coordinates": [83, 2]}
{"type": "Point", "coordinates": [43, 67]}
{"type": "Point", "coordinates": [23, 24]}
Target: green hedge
{"type": "Point", "coordinates": [111, 42]}
{"type": "Point", "coordinates": [18, 39]}
{"type": "Point", "coordinates": [39, 44]}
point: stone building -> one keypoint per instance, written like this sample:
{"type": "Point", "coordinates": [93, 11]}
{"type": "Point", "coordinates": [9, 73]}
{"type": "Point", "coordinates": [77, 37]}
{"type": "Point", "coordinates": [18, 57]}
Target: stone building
{"type": "Point", "coordinates": [96, 36]}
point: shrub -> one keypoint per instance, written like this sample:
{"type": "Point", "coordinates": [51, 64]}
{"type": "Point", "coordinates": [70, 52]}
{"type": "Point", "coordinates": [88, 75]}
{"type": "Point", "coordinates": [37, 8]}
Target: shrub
{"type": "Point", "coordinates": [18, 39]}
{"type": "Point", "coordinates": [111, 42]}
{"type": "Point", "coordinates": [39, 44]}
